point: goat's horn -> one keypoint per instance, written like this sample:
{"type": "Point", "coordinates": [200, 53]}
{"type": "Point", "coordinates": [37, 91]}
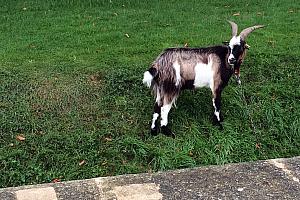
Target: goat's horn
{"type": "Point", "coordinates": [247, 31]}
{"type": "Point", "coordinates": [234, 28]}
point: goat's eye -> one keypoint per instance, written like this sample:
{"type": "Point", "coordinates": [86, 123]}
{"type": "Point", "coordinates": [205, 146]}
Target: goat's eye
{"type": "Point", "coordinates": [236, 49]}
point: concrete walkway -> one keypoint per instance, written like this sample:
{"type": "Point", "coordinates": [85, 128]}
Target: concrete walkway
{"type": "Point", "coordinates": [270, 179]}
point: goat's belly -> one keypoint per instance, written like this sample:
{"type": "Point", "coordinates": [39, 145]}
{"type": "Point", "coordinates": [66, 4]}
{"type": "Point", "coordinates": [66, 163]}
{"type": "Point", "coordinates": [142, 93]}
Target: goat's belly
{"type": "Point", "coordinates": [188, 84]}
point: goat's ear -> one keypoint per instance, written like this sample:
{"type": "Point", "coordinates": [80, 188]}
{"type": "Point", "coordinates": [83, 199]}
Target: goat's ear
{"type": "Point", "coordinates": [225, 43]}
{"type": "Point", "coordinates": [247, 46]}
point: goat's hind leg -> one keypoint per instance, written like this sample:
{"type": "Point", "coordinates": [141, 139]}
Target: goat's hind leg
{"type": "Point", "coordinates": [165, 109]}
{"type": "Point", "coordinates": [156, 114]}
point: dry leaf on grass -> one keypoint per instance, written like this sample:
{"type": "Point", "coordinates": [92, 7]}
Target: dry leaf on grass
{"type": "Point", "coordinates": [257, 145]}
{"type": "Point", "coordinates": [108, 139]}
{"type": "Point", "coordinates": [104, 163]}
{"type": "Point", "coordinates": [20, 137]}
{"type": "Point", "coordinates": [236, 14]}
{"type": "Point", "coordinates": [82, 162]}
{"type": "Point", "coordinates": [55, 180]}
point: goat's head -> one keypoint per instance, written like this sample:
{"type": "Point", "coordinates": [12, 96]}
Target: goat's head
{"type": "Point", "coordinates": [238, 47]}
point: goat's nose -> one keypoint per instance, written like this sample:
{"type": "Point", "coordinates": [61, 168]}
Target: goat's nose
{"type": "Point", "coordinates": [232, 60]}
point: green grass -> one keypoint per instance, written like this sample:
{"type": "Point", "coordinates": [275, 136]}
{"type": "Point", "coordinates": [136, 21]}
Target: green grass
{"type": "Point", "coordinates": [70, 83]}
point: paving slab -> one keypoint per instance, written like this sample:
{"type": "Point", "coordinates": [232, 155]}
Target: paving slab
{"type": "Point", "coordinates": [269, 179]}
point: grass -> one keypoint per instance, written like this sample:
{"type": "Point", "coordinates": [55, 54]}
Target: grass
{"type": "Point", "coordinates": [73, 106]}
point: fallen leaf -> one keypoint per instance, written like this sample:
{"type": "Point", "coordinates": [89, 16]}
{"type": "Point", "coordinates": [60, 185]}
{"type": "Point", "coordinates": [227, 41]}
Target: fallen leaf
{"type": "Point", "coordinates": [82, 162]}
{"type": "Point", "coordinates": [95, 77]}
{"type": "Point", "coordinates": [126, 35]}
{"type": "Point", "coordinates": [236, 14]}
{"type": "Point", "coordinates": [257, 145]}
{"type": "Point", "coordinates": [107, 139]}
{"type": "Point", "coordinates": [20, 137]}
{"type": "Point", "coordinates": [55, 180]}
{"type": "Point", "coordinates": [186, 45]}
{"type": "Point", "coordinates": [11, 144]}
{"type": "Point", "coordinates": [104, 163]}
{"type": "Point", "coordinates": [191, 153]}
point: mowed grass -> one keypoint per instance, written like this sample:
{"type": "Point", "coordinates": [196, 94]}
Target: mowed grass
{"type": "Point", "coordinates": [73, 105]}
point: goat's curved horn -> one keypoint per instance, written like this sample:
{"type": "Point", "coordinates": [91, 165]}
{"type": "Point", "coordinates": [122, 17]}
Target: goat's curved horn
{"type": "Point", "coordinates": [247, 31]}
{"type": "Point", "coordinates": [234, 28]}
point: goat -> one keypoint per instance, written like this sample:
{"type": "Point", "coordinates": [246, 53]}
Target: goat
{"type": "Point", "coordinates": [176, 69]}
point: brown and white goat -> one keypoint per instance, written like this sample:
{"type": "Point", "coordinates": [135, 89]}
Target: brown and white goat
{"type": "Point", "coordinates": [176, 69]}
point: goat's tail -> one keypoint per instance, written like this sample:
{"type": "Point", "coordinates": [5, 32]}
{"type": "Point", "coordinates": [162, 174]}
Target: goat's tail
{"type": "Point", "coordinates": [149, 75]}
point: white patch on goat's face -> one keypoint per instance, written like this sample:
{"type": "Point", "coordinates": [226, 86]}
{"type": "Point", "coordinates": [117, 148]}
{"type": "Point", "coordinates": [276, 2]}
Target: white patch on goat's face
{"type": "Point", "coordinates": [155, 116]}
{"type": "Point", "coordinates": [235, 40]}
{"type": "Point", "coordinates": [176, 66]}
{"type": "Point", "coordinates": [204, 75]}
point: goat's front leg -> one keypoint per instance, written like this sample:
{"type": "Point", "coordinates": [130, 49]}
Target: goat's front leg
{"type": "Point", "coordinates": [155, 123]}
{"type": "Point", "coordinates": [217, 106]}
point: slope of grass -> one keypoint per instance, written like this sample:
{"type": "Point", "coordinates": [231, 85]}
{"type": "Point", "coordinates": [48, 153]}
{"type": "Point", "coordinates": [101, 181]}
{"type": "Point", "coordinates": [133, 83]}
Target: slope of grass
{"type": "Point", "coordinates": [73, 106]}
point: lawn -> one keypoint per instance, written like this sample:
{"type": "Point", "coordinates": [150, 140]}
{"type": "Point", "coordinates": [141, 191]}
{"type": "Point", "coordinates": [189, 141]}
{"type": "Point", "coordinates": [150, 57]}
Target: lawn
{"type": "Point", "coordinates": [73, 105]}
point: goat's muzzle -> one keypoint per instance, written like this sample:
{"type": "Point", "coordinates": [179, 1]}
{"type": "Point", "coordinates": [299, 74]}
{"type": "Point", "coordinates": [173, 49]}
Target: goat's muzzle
{"type": "Point", "coordinates": [232, 61]}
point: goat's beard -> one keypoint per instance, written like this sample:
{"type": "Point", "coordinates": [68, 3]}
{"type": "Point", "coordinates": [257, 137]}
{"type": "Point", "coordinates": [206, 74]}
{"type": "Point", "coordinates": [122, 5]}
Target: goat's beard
{"type": "Point", "coordinates": [237, 75]}
{"type": "Point", "coordinates": [237, 71]}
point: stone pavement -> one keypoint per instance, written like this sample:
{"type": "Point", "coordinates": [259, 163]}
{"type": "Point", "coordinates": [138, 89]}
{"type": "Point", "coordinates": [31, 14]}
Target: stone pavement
{"type": "Point", "coordinates": [270, 179]}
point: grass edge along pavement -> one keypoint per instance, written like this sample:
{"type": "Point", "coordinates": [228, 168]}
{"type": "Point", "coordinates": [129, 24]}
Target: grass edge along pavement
{"type": "Point", "coordinates": [274, 178]}
{"type": "Point", "coordinates": [73, 106]}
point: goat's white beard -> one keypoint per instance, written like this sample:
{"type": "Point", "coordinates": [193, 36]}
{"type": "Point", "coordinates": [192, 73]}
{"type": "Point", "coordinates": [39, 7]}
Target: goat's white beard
{"type": "Point", "coordinates": [237, 78]}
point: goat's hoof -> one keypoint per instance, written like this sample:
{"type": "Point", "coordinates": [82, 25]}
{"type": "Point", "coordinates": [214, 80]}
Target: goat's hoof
{"type": "Point", "coordinates": [220, 127]}
{"type": "Point", "coordinates": [216, 121]}
{"type": "Point", "coordinates": [219, 124]}
{"type": "Point", "coordinates": [167, 131]}
{"type": "Point", "coordinates": [154, 131]}
{"type": "Point", "coordinates": [221, 118]}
